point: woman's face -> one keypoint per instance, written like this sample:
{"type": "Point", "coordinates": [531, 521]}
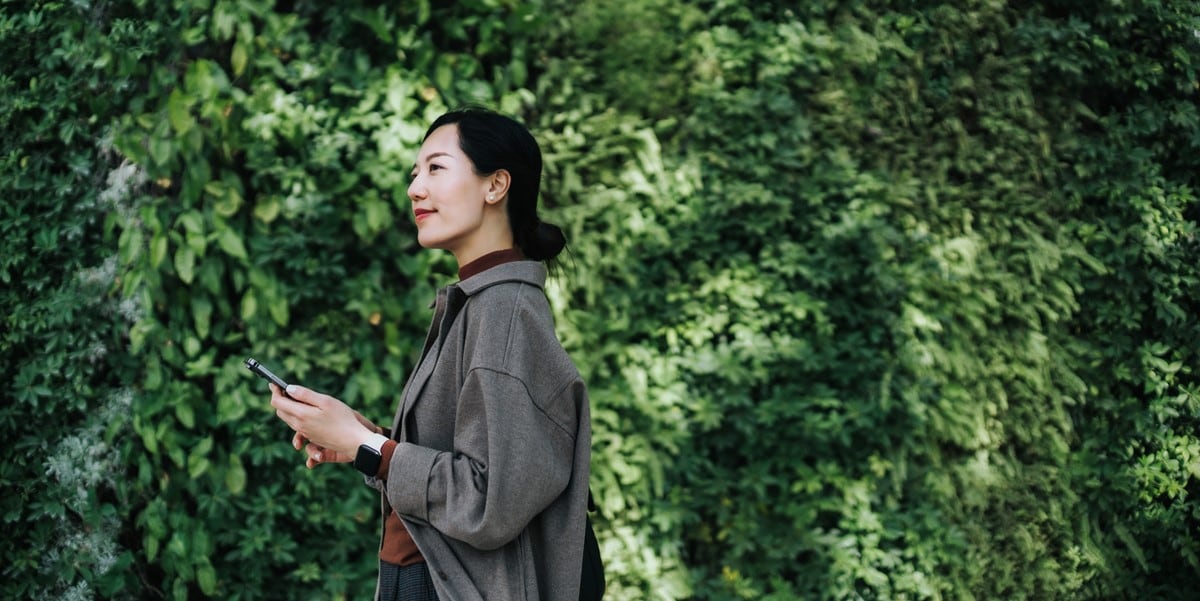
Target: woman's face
{"type": "Point", "coordinates": [448, 197]}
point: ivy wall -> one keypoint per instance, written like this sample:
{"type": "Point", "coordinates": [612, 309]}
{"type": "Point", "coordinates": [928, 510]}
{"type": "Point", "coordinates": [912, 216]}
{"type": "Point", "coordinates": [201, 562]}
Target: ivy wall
{"type": "Point", "coordinates": [874, 300]}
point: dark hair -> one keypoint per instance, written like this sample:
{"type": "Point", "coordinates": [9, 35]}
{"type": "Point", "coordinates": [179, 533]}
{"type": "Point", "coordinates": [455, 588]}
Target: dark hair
{"type": "Point", "coordinates": [493, 141]}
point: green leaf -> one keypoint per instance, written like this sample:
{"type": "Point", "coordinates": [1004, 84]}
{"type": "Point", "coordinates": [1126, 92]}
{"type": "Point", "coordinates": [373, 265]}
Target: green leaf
{"type": "Point", "coordinates": [185, 263]}
{"type": "Point", "coordinates": [198, 462]}
{"type": "Point", "coordinates": [150, 543]}
{"type": "Point", "coordinates": [202, 314]}
{"type": "Point", "coordinates": [231, 243]}
{"type": "Point", "coordinates": [179, 112]}
{"type": "Point", "coordinates": [130, 245]}
{"type": "Point", "coordinates": [268, 208]}
{"type": "Point", "coordinates": [278, 308]}
{"type": "Point", "coordinates": [161, 150]}
{"type": "Point", "coordinates": [185, 414]}
{"type": "Point", "coordinates": [206, 577]}
{"type": "Point", "coordinates": [235, 476]}
{"type": "Point", "coordinates": [249, 305]}
{"type": "Point", "coordinates": [198, 79]}
{"type": "Point", "coordinates": [139, 333]}
{"type": "Point", "coordinates": [148, 436]}
{"type": "Point", "coordinates": [192, 222]}
{"type": "Point", "coordinates": [158, 250]}
{"type": "Point", "coordinates": [238, 58]}
{"type": "Point", "coordinates": [229, 202]}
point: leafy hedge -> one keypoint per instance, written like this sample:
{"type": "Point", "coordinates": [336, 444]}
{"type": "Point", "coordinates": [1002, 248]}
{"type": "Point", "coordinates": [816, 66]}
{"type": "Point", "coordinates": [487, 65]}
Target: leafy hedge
{"type": "Point", "coordinates": [878, 235]}
{"type": "Point", "coordinates": [873, 301]}
{"type": "Point", "coordinates": [68, 376]}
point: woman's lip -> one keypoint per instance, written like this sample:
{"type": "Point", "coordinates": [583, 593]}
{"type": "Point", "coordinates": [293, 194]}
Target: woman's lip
{"type": "Point", "coordinates": [421, 213]}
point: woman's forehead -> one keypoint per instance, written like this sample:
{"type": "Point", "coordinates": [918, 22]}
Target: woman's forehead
{"type": "Point", "coordinates": [443, 141]}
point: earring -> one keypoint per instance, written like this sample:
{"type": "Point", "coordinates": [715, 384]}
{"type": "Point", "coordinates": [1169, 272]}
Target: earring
{"type": "Point", "coordinates": [491, 197]}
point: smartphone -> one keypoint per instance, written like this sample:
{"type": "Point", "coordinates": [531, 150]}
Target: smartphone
{"type": "Point", "coordinates": [266, 374]}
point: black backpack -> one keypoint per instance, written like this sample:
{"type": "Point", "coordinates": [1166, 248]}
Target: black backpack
{"type": "Point", "coordinates": [591, 585]}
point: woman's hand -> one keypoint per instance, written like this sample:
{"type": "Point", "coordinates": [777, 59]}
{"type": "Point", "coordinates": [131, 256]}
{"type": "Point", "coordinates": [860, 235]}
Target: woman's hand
{"type": "Point", "coordinates": [331, 429]}
{"type": "Point", "coordinates": [317, 454]}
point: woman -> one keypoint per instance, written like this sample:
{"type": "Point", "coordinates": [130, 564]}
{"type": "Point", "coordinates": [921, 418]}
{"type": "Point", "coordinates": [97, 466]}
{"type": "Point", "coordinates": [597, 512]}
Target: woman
{"type": "Point", "coordinates": [484, 470]}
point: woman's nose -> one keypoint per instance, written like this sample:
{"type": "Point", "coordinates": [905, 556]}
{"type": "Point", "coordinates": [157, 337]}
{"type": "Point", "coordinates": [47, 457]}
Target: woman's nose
{"type": "Point", "coordinates": [416, 190]}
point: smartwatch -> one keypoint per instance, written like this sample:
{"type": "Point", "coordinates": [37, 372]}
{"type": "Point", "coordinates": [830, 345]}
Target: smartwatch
{"type": "Point", "coordinates": [369, 455]}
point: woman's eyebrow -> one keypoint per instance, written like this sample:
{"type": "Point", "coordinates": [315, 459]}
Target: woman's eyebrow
{"type": "Point", "coordinates": [434, 156]}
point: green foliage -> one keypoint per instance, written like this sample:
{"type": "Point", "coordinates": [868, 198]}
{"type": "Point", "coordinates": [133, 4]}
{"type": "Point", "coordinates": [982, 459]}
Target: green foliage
{"type": "Point", "coordinates": [873, 301]}
{"type": "Point", "coordinates": [849, 279]}
{"type": "Point", "coordinates": [1137, 460]}
{"type": "Point", "coordinates": [66, 399]}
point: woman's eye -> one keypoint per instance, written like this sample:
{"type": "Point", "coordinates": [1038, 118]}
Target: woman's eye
{"type": "Point", "coordinates": [434, 167]}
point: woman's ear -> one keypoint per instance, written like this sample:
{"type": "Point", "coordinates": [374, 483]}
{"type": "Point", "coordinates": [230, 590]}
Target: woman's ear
{"type": "Point", "coordinates": [498, 183]}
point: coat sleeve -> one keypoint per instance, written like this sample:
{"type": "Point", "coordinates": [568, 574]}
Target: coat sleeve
{"type": "Point", "coordinates": [510, 461]}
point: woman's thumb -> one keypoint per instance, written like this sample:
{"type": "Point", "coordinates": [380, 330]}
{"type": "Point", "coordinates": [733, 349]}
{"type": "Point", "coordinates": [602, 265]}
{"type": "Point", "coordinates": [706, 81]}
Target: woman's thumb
{"type": "Point", "coordinates": [298, 393]}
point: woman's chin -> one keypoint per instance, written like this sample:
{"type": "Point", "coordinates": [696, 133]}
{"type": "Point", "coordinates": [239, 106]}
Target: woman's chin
{"type": "Point", "coordinates": [430, 241]}
{"type": "Point", "coordinates": [433, 243]}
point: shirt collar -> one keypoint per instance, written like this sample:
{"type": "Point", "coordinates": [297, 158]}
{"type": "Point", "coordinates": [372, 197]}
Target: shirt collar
{"type": "Point", "coordinates": [488, 261]}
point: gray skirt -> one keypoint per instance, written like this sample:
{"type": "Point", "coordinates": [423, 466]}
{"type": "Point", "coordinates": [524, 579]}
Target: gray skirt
{"type": "Point", "coordinates": [405, 583]}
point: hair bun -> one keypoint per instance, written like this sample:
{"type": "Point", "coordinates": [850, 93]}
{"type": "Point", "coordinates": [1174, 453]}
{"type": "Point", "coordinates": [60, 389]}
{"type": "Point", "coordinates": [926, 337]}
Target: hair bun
{"type": "Point", "coordinates": [547, 241]}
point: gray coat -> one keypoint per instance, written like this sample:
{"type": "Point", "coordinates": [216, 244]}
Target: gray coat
{"type": "Point", "coordinates": [491, 472]}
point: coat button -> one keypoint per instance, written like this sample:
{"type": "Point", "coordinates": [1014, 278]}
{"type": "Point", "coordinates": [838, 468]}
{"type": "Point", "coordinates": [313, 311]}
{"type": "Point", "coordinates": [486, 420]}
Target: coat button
{"type": "Point", "coordinates": [443, 576]}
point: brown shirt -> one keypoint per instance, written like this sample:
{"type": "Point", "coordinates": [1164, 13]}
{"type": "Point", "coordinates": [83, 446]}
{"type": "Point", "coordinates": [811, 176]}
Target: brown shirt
{"type": "Point", "coordinates": [398, 547]}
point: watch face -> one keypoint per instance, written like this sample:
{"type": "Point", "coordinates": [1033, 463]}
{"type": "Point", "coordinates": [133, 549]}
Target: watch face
{"type": "Point", "coordinates": [367, 460]}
